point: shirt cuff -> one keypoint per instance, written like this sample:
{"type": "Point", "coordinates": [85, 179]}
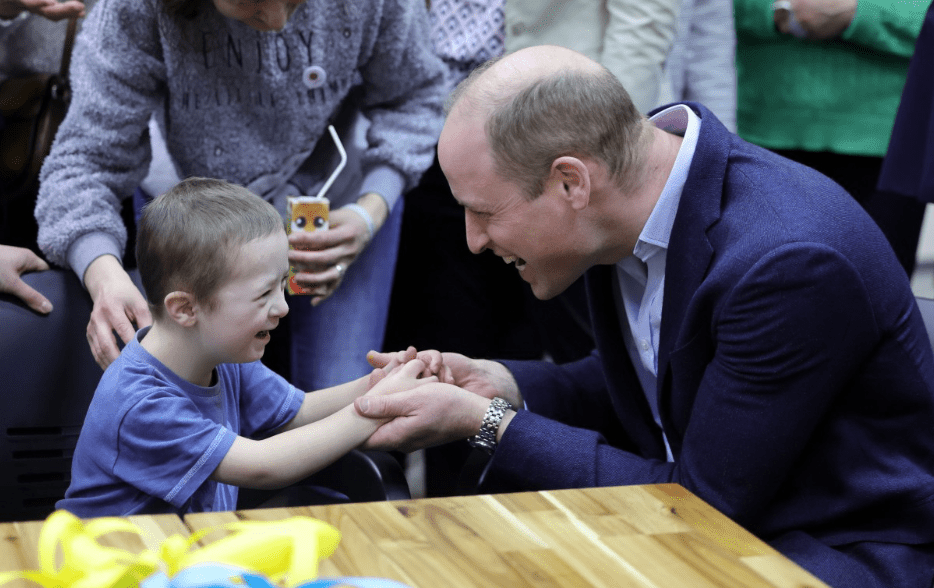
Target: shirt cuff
{"type": "Point", "coordinates": [89, 247]}
{"type": "Point", "coordinates": [385, 181]}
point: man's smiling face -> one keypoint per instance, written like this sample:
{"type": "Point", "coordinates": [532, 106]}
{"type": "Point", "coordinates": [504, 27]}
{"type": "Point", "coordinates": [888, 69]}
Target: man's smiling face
{"type": "Point", "coordinates": [533, 234]}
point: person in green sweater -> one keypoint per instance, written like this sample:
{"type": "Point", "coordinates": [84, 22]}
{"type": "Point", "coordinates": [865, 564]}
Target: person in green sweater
{"type": "Point", "coordinates": [819, 81]}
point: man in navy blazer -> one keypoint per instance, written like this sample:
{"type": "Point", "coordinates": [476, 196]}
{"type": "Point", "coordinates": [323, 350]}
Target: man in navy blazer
{"type": "Point", "coordinates": [757, 340]}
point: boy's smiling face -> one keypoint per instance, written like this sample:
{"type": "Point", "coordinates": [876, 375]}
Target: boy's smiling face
{"type": "Point", "coordinates": [249, 304]}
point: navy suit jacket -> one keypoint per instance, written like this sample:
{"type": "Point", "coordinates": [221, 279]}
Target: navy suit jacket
{"type": "Point", "coordinates": [795, 375]}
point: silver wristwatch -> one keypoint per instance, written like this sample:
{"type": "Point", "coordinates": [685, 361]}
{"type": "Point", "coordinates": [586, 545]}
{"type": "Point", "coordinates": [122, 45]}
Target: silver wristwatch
{"type": "Point", "coordinates": [486, 438]}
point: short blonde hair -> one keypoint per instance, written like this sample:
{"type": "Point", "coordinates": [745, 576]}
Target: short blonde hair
{"type": "Point", "coordinates": [186, 237]}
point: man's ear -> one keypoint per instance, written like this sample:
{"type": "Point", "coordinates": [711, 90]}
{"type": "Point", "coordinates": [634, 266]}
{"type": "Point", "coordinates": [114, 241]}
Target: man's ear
{"type": "Point", "coordinates": [181, 308]}
{"type": "Point", "coordinates": [573, 177]}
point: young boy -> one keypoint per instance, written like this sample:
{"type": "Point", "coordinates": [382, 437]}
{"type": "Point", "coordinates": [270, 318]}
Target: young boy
{"type": "Point", "coordinates": [172, 424]}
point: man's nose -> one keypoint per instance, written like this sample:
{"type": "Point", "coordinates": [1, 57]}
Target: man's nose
{"type": "Point", "coordinates": [477, 239]}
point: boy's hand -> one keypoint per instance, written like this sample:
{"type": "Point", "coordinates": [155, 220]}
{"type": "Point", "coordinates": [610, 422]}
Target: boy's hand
{"type": "Point", "coordinates": [400, 379]}
{"type": "Point", "coordinates": [398, 359]}
{"type": "Point", "coordinates": [434, 362]}
{"type": "Point", "coordinates": [481, 376]}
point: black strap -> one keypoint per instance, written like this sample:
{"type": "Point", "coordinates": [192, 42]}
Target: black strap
{"type": "Point", "coordinates": [69, 45]}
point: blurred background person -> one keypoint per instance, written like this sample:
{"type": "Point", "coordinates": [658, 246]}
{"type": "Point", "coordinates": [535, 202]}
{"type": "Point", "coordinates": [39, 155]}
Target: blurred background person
{"type": "Point", "coordinates": [906, 182]}
{"type": "Point", "coordinates": [631, 38]}
{"type": "Point", "coordinates": [701, 66]}
{"type": "Point", "coordinates": [820, 81]}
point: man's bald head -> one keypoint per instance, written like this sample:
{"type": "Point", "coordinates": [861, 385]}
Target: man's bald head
{"type": "Point", "coordinates": [544, 102]}
{"type": "Point", "coordinates": [499, 79]}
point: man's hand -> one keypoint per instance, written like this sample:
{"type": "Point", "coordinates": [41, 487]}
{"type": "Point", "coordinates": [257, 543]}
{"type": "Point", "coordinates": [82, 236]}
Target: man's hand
{"type": "Point", "coordinates": [14, 262]}
{"type": "Point", "coordinates": [118, 306]}
{"type": "Point", "coordinates": [50, 9]}
{"type": "Point", "coordinates": [820, 19]}
{"type": "Point", "coordinates": [429, 415]}
{"type": "Point", "coordinates": [483, 377]}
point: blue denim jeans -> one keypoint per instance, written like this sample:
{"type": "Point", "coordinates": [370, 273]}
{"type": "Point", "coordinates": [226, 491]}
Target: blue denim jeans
{"type": "Point", "coordinates": [330, 341]}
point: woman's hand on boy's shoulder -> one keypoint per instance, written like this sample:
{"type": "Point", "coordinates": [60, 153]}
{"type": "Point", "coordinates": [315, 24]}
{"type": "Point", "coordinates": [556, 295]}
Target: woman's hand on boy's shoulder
{"type": "Point", "coordinates": [119, 307]}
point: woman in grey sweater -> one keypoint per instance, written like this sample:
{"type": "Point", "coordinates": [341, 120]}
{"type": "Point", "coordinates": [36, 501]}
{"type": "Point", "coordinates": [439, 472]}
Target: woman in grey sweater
{"type": "Point", "coordinates": [248, 89]}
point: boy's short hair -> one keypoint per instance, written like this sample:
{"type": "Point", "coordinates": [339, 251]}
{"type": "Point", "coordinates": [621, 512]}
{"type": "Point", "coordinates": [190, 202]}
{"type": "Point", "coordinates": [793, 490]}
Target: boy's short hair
{"type": "Point", "coordinates": [186, 238]}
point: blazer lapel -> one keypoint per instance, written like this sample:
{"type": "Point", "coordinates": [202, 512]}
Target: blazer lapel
{"type": "Point", "coordinates": [689, 250]}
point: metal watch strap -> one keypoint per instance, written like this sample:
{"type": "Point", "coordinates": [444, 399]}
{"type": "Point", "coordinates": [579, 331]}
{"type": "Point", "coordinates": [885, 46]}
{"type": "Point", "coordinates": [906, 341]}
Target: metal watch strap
{"type": "Point", "coordinates": [486, 438]}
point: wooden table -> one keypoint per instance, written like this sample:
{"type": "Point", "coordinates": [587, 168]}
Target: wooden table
{"type": "Point", "coordinates": [641, 536]}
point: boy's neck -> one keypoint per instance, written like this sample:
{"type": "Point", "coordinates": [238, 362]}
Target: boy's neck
{"type": "Point", "coordinates": [170, 345]}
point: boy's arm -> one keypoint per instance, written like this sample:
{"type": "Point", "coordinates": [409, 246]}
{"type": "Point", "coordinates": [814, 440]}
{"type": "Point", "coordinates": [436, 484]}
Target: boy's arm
{"type": "Point", "coordinates": [324, 403]}
{"type": "Point", "coordinates": [299, 451]}
{"type": "Point", "coordinates": [293, 455]}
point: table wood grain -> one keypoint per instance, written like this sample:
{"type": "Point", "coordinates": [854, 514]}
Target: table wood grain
{"type": "Point", "coordinates": [658, 536]}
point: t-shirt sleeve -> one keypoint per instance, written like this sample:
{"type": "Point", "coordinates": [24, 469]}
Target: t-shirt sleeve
{"type": "Point", "coordinates": [267, 400]}
{"type": "Point", "coordinates": [167, 448]}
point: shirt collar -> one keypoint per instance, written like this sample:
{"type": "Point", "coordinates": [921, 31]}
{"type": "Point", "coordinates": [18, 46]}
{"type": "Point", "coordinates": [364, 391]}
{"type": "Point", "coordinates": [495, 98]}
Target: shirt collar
{"type": "Point", "coordinates": [678, 120]}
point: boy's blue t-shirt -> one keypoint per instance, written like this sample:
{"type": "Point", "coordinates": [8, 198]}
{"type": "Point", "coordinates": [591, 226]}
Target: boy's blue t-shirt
{"type": "Point", "coordinates": [151, 439]}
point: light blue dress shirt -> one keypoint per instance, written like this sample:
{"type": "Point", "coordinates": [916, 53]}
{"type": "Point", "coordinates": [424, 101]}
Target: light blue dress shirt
{"type": "Point", "coordinates": [641, 276]}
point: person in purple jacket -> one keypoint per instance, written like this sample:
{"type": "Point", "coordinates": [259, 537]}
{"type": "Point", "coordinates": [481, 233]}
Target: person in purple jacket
{"type": "Point", "coordinates": [756, 340]}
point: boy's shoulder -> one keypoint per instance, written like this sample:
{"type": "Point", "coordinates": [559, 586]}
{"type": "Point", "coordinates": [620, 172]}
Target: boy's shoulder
{"type": "Point", "coordinates": [251, 377]}
{"type": "Point", "coordinates": [129, 377]}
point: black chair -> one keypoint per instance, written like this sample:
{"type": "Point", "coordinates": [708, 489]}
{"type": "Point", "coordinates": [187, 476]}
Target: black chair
{"type": "Point", "coordinates": [360, 476]}
{"type": "Point", "coordinates": [47, 380]}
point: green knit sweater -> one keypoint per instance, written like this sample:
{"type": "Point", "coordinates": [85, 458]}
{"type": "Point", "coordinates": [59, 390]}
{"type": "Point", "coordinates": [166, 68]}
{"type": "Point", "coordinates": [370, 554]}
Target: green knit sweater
{"type": "Point", "coordinates": [839, 95]}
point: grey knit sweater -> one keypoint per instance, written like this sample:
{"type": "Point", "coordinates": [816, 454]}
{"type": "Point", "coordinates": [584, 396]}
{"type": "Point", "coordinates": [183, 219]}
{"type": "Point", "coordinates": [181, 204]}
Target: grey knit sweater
{"type": "Point", "coordinates": [239, 104]}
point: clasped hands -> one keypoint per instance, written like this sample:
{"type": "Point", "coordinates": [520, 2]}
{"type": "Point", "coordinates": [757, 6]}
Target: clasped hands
{"type": "Point", "coordinates": [448, 405]}
{"type": "Point", "coordinates": [819, 19]}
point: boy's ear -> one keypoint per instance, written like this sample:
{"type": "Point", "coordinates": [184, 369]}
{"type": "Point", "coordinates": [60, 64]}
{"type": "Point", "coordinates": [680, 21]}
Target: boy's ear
{"type": "Point", "coordinates": [181, 308]}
